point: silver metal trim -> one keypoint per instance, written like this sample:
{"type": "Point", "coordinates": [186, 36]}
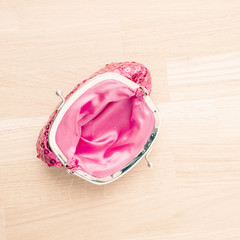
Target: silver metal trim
{"type": "Point", "coordinates": [65, 106]}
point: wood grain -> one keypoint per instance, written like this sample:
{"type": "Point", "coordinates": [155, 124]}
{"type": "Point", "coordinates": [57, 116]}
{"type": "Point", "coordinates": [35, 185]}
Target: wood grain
{"type": "Point", "coordinates": [192, 49]}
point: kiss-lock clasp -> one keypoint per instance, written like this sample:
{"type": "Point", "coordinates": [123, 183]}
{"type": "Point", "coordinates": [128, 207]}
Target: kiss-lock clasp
{"type": "Point", "coordinates": [150, 164]}
{"type": "Point", "coordinates": [59, 93]}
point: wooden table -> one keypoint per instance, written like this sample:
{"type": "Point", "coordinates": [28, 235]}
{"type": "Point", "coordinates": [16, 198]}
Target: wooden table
{"type": "Point", "coordinates": [192, 49]}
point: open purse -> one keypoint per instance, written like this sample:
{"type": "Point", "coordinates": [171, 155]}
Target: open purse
{"type": "Point", "coordinates": [104, 126]}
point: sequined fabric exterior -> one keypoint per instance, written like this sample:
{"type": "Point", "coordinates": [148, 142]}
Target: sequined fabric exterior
{"type": "Point", "coordinates": [134, 71]}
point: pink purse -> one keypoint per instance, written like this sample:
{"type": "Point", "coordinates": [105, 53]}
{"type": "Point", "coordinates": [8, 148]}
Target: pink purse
{"type": "Point", "coordinates": [104, 126]}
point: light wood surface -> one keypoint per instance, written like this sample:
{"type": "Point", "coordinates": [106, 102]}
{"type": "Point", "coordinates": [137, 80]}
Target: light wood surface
{"type": "Point", "coordinates": [192, 49]}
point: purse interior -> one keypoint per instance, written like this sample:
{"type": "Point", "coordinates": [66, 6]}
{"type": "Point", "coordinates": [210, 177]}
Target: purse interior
{"type": "Point", "coordinates": [105, 128]}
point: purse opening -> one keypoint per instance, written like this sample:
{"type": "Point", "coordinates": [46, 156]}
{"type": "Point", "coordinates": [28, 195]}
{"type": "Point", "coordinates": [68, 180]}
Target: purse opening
{"type": "Point", "coordinates": [105, 128]}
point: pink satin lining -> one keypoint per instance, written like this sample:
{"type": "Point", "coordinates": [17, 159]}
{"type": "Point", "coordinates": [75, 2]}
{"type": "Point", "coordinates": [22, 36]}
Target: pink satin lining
{"type": "Point", "coordinates": [105, 128]}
